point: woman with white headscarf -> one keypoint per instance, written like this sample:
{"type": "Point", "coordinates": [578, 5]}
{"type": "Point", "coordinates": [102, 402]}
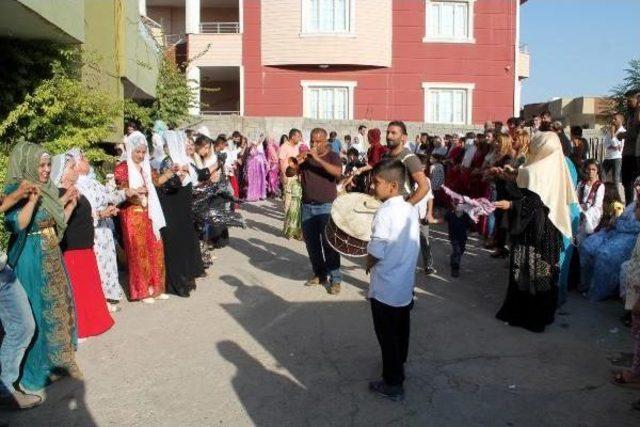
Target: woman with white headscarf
{"type": "Point", "coordinates": [104, 201]}
{"type": "Point", "coordinates": [183, 259]}
{"type": "Point", "coordinates": [92, 315]}
{"type": "Point", "coordinates": [539, 216]}
{"type": "Point", "coordinates": [141, 219]}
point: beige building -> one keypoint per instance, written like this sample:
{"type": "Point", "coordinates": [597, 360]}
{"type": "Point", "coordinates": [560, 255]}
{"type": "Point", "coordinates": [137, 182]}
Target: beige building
{"type": "Point", "coordinates": [588, 112]}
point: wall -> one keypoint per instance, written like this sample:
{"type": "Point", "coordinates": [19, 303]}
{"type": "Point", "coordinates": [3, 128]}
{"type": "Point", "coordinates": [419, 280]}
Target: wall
{"type": "Point", "coordinates": [64, 14]}
{"type": "Point", "coordinates": [282, 44]}
{"type": "Point", "coordinates": [396, 92]}
{"type": "Point", "coordinates": [100, 50]}
{"type": "Point", "coordinates": [215, 49]}
{"type": "Point", "coordinates": [139, 54]}
{"type": "Point", "coordinates": [275, 126]}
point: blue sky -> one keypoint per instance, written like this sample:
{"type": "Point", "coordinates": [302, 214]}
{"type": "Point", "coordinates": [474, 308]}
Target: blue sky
{"type": "Point", "coordinates": [578, 47]}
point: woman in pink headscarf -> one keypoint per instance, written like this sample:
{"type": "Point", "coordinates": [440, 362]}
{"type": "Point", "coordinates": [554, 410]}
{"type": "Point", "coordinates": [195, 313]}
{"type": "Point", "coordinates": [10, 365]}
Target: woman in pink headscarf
{"type": "Point", "coordinates": [256, 172]}
{"type": "Point", "coordinates": [273, 168]}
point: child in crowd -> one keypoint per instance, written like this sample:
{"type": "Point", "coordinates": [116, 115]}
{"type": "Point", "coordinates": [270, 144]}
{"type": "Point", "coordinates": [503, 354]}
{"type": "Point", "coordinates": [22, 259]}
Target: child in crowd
{"type": "Point", "coordinates": [354, 182]}
{"type": "Point", "coordinates": [612, 206]}
{"type": "Point", "coordinates": [458, 224]}
{"type": "Point", "coordinates": [392, 256]}
{"type": "Point", "coordinates": [293, 194]}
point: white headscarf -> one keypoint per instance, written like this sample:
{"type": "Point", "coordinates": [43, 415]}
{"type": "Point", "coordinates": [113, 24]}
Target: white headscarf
{"type": "Point", "coordinates": [58, 164]}
{"type": "Point", "coordinates": [177, 151]}
{"type": "Point", "coordinates": [137, 180]}
{"type": "Point", "coordinates": [203, 130]}
{"type": "Point", "coordinates": [546, 174]}
{"type": "Point", "coordinates": [469, 152]}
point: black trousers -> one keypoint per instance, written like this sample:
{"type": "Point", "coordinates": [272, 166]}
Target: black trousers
{"type": "Point", "coordinates": [392, 326]}
{"type": "Point", "coordinates": [629, 171]}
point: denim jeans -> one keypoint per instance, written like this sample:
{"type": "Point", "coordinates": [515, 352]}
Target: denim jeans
{"type": "Point", "coordinates": [325, 261]}
{"type": "Point", "coordinates": [425, 246]}
{"type": "Point", "coordinates": [18, 324]}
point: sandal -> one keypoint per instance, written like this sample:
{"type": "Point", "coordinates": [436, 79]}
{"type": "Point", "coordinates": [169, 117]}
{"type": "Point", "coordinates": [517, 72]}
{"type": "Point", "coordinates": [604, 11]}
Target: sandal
{"type": "Point", "coordinates": [619, 380]}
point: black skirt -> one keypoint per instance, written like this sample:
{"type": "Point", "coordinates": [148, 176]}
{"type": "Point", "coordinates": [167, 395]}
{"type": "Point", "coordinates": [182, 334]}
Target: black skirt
{"type": "Point", "coordinates": [183, 259]}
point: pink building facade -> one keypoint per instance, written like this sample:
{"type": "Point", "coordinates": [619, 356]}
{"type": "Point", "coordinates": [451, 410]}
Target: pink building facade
{"type": "Point", "coordinates": [452, 62]}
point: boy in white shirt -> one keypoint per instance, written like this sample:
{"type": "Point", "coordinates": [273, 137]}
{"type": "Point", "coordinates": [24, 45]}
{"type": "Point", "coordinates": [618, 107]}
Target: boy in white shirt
{"type": "Point", "coordinates": [392, 256]}
{"type": "Point", "coordinates": [613, 146]}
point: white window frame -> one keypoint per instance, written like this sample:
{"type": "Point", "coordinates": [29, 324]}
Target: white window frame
{"type": "Point", "coordinates": [428, 38]}
{"type": "Point", "coordinates": [468, 87]}
{"type": "Point", "coordinates": [351, 22]}
{"type": "Point", "coordinates": [309, 84]}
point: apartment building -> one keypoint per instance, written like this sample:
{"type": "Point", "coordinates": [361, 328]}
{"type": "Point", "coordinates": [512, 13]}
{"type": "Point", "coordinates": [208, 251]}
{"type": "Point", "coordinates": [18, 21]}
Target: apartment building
{"type": "Point", "coordinates": [454, 62]}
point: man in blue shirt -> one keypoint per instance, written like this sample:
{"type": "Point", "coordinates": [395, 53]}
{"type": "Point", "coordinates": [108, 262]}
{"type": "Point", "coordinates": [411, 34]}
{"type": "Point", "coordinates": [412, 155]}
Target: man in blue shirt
{"type": "Point", "coordinates": [336, 144]}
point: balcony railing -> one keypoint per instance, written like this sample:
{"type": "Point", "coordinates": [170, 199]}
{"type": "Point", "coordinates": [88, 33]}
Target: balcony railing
{"type": "Point", "coordinates": [220, 27]}
{"type": "Point", "coordinates": [221, 113]}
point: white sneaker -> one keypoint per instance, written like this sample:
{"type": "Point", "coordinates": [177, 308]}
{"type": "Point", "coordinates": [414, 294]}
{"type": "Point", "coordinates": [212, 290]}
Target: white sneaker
{"type": "Point", "coordinates": [148, 300]}
{"type": "Point", "coordinates": [162, 297]}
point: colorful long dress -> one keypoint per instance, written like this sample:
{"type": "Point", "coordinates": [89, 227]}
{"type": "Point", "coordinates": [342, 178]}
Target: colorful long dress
{"type": "Point", "coordinates": [293, 215]}
{"type": "Point", "coordinates": [35, 255]}
{"type": "Point", "coordinates": [100, 197]}
{"type": "Point", "coordinates": [145, 253]}
{"type": "Point", "coordinates": [273, 170]}
{"type": "Point", "coordinates": [256, 175]}
{"type": "Point", "coordinates": [602, 254]}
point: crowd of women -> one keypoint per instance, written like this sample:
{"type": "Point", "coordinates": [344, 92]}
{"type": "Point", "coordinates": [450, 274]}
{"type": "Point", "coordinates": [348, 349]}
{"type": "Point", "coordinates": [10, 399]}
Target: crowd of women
{"type": "Point", "coordinates": [158, 215]}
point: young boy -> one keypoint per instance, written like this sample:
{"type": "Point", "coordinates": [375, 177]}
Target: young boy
{"type": "Point", "coordinates": [16, 318]}
{"type": "Point", "coordinates": [393, 253]}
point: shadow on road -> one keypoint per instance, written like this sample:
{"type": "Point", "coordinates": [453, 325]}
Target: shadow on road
{"type": "Point", "coordinates": [64, 406]}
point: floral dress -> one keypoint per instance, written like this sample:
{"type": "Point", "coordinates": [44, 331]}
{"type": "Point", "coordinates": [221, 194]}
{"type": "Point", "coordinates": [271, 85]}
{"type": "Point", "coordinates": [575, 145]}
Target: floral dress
{"type": "Point", "coordinates": [100, 197]}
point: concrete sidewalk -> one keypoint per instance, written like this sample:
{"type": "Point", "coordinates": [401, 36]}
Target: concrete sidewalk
{"type": "Point", "coordinates": [253, 346]}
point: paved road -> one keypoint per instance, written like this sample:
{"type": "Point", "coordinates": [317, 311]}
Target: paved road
{"type": "Point", "coordinates": [253, 346]}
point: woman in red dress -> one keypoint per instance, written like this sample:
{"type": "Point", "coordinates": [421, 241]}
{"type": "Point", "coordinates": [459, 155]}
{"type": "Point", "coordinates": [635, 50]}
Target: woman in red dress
{"type": "Point", "coordinates": [92, 314]}
{"type": "Point", "coordinates": [141, 219]}
{"type": "Point", "coordinates": [376, 149]}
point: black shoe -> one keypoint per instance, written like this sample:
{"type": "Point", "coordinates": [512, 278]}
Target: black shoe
{"type": "Point", "coordinates": [500, 253]}
{"type": "Point", "coordinates": [391, 392]}
{"type": "Point", "coordinates": [429, 271]}
{"type": "Point", "coordinates": [455, 272]}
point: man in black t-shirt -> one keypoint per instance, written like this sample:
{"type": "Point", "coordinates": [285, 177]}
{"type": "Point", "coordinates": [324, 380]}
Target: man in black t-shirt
{"type": "Point", "coordinates": [319, 168]}
{"type": "Point", "coordinates": [417, 184]}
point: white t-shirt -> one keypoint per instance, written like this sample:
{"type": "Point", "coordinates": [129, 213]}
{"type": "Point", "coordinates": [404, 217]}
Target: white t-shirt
{"type": "Point", "coordinates": [395, 242]}
{"type": "Point", "coordinates": [613, 146]}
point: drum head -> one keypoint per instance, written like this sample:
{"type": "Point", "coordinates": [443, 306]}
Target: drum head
{"type": "Point", "coordinates": [343, 243]}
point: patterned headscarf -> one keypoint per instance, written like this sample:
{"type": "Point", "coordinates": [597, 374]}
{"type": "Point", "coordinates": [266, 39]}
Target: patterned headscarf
{"type": "Point", "coordinates": [24, 161]}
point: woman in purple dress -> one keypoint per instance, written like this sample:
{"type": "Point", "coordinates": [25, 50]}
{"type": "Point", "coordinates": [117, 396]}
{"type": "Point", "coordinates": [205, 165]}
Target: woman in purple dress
{"type": "Point", "coordinates": [256, 172]}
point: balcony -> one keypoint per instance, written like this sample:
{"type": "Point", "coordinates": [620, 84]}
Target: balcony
{"type": "Point", "coordinates": [523, 63]}
{"type": "Point", "coordinates": [220, 27]}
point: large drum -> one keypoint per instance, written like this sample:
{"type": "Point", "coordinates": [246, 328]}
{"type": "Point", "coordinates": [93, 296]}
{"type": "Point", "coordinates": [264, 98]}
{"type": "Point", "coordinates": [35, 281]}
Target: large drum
{"type": "Point", "coordinates": [349, 229]}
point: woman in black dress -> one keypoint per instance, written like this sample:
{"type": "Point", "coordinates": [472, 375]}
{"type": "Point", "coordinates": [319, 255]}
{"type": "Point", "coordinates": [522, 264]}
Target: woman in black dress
{"type": "Point", "coordinates": [182, 255]}
{"type": "Point", "coordinates": [539, 195]}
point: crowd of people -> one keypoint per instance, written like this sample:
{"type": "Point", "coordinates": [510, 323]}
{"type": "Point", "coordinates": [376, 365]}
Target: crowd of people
{"type": "Point", "coordinates": [537, 197]}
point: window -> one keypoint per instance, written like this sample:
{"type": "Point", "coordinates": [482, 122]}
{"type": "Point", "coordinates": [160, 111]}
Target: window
{"type": "Point", "coordinates": [331, 100]}
{"type": "Point", "coordinates": [326, 16]}
{"type": "Point", "coordinates": [449, 21]}
{"type": "Point", "coordinates": [448, 103]}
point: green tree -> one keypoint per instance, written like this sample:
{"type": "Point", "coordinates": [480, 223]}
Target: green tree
{"type": "Point", "coordinates": [62, 113]}
{"type": "Point", "coordinates": [174, 96]}
{"type": "Point", "coordinates": [631, 81]}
